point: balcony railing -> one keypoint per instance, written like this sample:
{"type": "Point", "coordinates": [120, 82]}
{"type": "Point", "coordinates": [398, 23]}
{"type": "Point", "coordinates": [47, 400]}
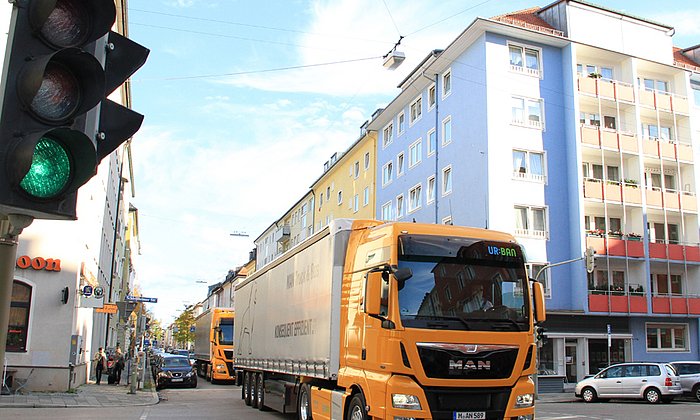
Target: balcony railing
{"type": "Point", "coordinates": [606, 88]}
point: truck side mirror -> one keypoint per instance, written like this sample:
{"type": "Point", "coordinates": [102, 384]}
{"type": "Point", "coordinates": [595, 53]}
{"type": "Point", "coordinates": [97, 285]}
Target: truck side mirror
{"type": "Point", "coordinates": [373, 291]}
{"type": "Point", "coordinates": [538, 301]}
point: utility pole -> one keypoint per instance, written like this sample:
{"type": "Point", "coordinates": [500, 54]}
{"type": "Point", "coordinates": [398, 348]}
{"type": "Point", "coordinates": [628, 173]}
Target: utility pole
{"type": "Point", "coordinates": [10, 228]}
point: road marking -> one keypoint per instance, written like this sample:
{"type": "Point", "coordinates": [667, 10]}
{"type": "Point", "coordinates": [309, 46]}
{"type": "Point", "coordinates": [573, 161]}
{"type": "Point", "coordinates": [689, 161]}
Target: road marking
{"type": "Point", "coordinates": [144, 416]}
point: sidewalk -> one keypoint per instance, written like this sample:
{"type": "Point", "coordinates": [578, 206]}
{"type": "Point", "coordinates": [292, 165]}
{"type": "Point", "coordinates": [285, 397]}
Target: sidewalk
{"type": "Point", "coordinates": [88, 395]}
{"type": "Point", "coordinates": [556, 397]}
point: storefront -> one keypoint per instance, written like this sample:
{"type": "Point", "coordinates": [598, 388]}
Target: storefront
{"type": "Point", "coordinates": [577, 346]}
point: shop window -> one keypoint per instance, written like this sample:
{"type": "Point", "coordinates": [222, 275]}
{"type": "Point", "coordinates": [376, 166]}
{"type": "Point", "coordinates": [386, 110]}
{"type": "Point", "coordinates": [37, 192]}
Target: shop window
{"type": "Point", "coordinates": [18, 324]}
{"type": "Point", "coordinates": [598, 353]}
{"type": "Point", "coordinates": [545, 359]}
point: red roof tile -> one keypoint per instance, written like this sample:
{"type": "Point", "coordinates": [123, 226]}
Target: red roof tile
{"type": "Point", "coordinates": [527, 18]}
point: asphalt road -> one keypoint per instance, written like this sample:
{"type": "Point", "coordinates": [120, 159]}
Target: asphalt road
{"type": "Point", "coordinates": [223, 402]}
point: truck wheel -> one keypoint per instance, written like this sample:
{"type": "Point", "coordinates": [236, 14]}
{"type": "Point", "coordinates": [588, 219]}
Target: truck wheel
{"type": "Point", "coordinates": [246, 386]}
{"type": "Point", "coordinates": [304, 402]}
{"type": "Point", "coordinates": [356, 409]}
{"type": "Point", "coordinates": [260, 392]}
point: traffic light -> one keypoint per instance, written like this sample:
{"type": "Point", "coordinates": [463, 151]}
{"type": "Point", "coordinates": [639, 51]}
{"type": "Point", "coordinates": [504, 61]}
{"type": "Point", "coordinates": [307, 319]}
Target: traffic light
{"type": "Point", "coordinates": [56, 125]}
{"type": "Point", "coordinates": [590, 259]}
{"type": "Point", "coordinates": [540, 334]}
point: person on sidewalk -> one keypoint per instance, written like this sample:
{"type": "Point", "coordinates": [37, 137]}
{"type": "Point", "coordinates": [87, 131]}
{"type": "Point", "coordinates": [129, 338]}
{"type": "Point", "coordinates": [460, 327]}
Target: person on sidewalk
{"type": "Point", "coordinates": [100, 361]}
{"type": "Point", "coordinates": [118, 365]}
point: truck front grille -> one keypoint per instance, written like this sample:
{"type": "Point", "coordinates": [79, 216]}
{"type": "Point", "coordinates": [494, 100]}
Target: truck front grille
{"type": "Point", "coordinates": [467, 361]}
{"type": "Point", "coordinates": [443, 402]}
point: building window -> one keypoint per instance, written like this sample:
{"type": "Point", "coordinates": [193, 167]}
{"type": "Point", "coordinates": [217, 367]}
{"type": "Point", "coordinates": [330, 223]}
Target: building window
{"type": "Point", "coordinates": [432, 142]}
{"type": "Point", "coordinates": [525, 60]}
{"type": "Point", "coordinates": [667, 337]}
{"type": "Point", "coordinates": [594, 70]}
{"type": "Point", "coordinates": [664, 285]}
{"type": "Point", "coordinates": [402, 123]}
{"type": "Point", "coordinates": [415, 152]}
{"type": "Point", "coordinates": [400, 165]}
{"type": "Point", "coordinates": [416, 110]}
{"type": "Point", "coordinates": [695, 86]}
{"type": "Point", "coordinates": [386, 211]}
{"type": "Point", "coordinates": [528, 165]}
{"type": "Point", "coordinates": [446, 83]}
{"type": "Point", "coordinates": [661, 86]}
{"type": "Point", "coordinates": [388, 135]}
{"type": "Point", "coordinates": [18, 324]}
{"type": "Point", "coordinates": [340, 197]}
{"type": "Point", "coordinates": [431, 96]}
{"type": "Point", "coordinates": [430, 193]}
{"type": "Point", "coordinates": [533, 269]}
{"type": "Point", "coordinates": [366, 197]}
{"type": "Point", "coordinates": [328, 193]}
{"type": "Point", "coordinates": [414, 198]}
{"type": "Point", "coordinates": [527, 112]}
{"type": "Point", "coordinates": [356, 171]}
{"type": "Point", "coordinates": [531, 221]}
{"type": "Point", "coordinates": [399, 207]}
{"type": "Point", "coordinates": [367, 161]}
{"type": "Point", "coordinates": [387, 173]}
{"type": "Point", "coordinates": [447, 180]}
{"type": "Point", "coordinates": [446, 131]}
{"type": "Point", "coordinates": [447, 220]}
{"type": "Point", "coordinates": [356, 203]}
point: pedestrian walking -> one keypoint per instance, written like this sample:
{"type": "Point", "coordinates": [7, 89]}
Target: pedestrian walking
{"type": "Point", "coordinates": [118, 365]}
{"type": "Point", "coordinates": [100, 361]}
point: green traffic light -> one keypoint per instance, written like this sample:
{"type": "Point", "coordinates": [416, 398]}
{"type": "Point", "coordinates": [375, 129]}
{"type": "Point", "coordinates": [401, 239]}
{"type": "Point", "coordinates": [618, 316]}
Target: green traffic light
{"type": "Point", "coordinates": [50, 170]}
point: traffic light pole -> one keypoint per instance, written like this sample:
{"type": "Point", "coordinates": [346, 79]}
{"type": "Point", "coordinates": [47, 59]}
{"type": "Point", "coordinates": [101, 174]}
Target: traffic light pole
{"type": "Point", "coordinates": [10, 228]}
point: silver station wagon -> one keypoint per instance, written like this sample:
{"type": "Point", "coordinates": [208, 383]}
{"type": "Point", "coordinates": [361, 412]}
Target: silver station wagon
{"type": "Point", "coordinates": [651, 381]}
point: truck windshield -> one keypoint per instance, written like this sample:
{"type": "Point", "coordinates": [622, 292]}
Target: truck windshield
{"type": "Point", "coordinates": [462, 283]}
{"type": "Point", "coordinates": [226, 332]}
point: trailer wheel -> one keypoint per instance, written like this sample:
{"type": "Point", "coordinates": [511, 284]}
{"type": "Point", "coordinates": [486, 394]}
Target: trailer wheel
{"type": "Point", "coordinates": [241, 383]}
{"type": "Point", "coordinates": [304, 403]}
{"type": "Point", "coordinates": [246, 386]}
{"type": "Point", "coordinates": [254, 390]}
{"type": "Point", "coordinates": [356, 409]}
{"type": "Point", "coordinates": [260, 392]}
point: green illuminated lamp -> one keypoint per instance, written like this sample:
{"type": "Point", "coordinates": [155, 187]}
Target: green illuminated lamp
{"type": "Point", "coordinates": [50, 171]}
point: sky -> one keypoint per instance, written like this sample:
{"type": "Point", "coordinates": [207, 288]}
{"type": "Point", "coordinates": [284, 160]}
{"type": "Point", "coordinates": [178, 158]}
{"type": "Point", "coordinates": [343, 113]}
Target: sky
{"type": "Point", "coordinates": [245, 100]}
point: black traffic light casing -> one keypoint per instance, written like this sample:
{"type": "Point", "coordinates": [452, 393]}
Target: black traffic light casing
{"type": "Point", "coordinates": [540, 334]}
{"type": "Point", "coordinates": [56, 124]}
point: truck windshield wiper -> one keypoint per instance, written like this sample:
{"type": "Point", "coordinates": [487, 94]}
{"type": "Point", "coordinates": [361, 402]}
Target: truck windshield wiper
{"type": "Point", "coordinates": [439, 324]}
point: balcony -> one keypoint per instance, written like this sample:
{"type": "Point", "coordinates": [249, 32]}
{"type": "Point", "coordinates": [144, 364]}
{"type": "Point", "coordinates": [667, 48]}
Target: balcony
{"type": "Point", "coordinates": [612, 191]}
{"type": "Point", "coordinates": [676, 305]}
{"type": "Point", "coordinates": [616, 245]}
{"type": "Point", "coordinates": [663, 101]}
{"type": "Point", "coordinates": [606, 88]}
{"type": "Point", "coordinates": [675, 252]}
{"type": "Point", "coordinates": [632, 301]}
{"type": "Point", "coordinates": [609, 138]}
{"type": "Point", "coordinates": [671, 199]}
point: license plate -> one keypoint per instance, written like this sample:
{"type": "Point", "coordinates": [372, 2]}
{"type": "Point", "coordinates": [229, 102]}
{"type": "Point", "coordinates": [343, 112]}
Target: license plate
{"type": "Point", "coordinates": [469, 415]}
{"type": "Point", "coordinates": [180, 380]}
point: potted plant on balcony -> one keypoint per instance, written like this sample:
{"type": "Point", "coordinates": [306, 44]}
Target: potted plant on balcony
{"type": "Point", "coordinates": [615, 234]}
{"type": "Point", "coordinates": [595, 75]}
{"type": "Point", "coordinates": [634, 236]}
{"type": "Point", "coordinates": [636, 291]}
{"type": "Point", "coordinates": [631, 183]}
{"type": "Point", "coordinates": [595, 232]}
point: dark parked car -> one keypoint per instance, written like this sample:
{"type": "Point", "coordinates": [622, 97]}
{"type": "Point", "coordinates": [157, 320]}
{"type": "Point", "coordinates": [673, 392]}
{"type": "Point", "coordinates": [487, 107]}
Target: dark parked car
{"type": "Point", "coordinates": [175, 370]}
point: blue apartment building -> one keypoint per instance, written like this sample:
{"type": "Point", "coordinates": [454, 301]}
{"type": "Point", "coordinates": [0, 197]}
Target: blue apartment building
{"type": "Point", "coordinates": [568, 138]}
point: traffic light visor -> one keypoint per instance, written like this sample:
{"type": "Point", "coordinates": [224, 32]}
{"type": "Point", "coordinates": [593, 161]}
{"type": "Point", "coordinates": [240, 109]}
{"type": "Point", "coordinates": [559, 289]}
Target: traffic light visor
{"type": "Point", "coordinates": [59, 86]}
{"type": "Point", "coordinates": [71, 23]}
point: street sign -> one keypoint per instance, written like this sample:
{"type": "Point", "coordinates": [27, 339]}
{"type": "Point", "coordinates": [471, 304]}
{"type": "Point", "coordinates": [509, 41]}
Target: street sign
{"type": "Point", "coordinates": [141, 299]}
{"type": "Point", "coordinates": [125, 309]}
{"type": "Point", "coordinates": [108, 308]}
{"type": "Point", "coordinates": [99, 291]}
{"type": "Point", "coordinates": [87, 290]}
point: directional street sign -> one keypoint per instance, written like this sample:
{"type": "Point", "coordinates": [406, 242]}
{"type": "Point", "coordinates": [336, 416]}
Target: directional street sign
{"type": "Point", "coordinates": [141, 299]}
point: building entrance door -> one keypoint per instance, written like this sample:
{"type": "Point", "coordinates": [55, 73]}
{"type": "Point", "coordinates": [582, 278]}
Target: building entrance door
{"type": "Point", "coordinates": [571, 361]}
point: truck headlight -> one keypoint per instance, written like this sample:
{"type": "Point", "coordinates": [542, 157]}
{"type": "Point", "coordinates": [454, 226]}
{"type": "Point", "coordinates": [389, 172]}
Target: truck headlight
{"type": "Point", "coordinates": [220, 367]}
{"type": "Point", "coordinates": [524, 400]}
{"type": "Point", "coordinates": [407, 402]}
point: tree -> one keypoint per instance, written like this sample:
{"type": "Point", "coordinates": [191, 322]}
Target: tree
{"type": "Point", "coordinates": [183, 336]}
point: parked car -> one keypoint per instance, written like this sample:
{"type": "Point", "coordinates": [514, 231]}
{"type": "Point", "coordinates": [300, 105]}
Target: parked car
{"type": "Point", "coordinates": [654, 382]}
{"type": "Point", "coordinates": [175, 370]}
{"type": "Point", "coordinates": [689, 373]}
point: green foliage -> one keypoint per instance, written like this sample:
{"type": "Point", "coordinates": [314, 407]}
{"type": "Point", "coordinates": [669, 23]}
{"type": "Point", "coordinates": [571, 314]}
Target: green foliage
{"type": "Point", "coordinates": [183, 336]}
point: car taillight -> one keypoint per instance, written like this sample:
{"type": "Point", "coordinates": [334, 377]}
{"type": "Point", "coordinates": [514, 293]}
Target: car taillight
{"type": "Point", "coordinates": [669, 381]}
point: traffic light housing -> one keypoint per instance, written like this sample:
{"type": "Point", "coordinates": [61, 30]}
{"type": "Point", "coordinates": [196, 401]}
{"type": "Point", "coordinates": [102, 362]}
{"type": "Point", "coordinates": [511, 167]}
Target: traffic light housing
{"type": "Point", "coordinates": [56, 123]}
{"type": "Point", "coordinates": [589, 257]}
{"type": "Point", "coordinates": [540, 334]}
